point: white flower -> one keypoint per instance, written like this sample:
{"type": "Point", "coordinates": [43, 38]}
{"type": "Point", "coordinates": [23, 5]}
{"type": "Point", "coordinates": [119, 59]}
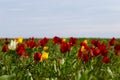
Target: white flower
{"type": "Point", "coordinates": [61, 61]}
{"type": "Point", "coordinates": [12, 45]}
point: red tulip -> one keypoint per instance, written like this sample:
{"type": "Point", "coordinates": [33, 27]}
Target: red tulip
{"type": "Point", "coordinates": [105, 60]}
{"type": "Point", "coordinates": [96, 52]}
{"type": "Point", "coordinates": [87, 47]}
{"type": "Point", "coordinates": [6, 41]}
{"type": "Point", "coordinates": [57, 40]}
{"type": "Point", "coordinates": [117, 47]}
{"type": "Point", "coordinates": [44, 41]}
{"type": "Point", "coordinates": [31, 43]}
{"type": "Point", "coordinates": [85, 58]}
{"type": "Point", "coordinates": [117, 52]}
{"type": "Point", "coordinates": [103, 50]}
{"type": "Point", "coordinates": [32, 38]}
{"type": "Point", "coordinates": [21, 49]}
{"type": "Point", "coordinates": [65, 47]}
{"type": "Point", "coordinates": [5, 48]}
{"type": "Point", "coordinates": [72, 41]}
{"type": "Point", "coordinates": [96, 43]}
{"type": "Point", "coordinates": [37, 56]}
{"type": "Point", "coordinates": [111, 43]}
{"type": "Point", "coordinates": [83, 44]}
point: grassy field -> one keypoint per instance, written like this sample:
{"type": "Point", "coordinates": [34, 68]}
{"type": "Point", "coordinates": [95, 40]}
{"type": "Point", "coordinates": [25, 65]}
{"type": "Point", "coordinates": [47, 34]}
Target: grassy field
{"type": "Point", "coordinates": [60, 59]}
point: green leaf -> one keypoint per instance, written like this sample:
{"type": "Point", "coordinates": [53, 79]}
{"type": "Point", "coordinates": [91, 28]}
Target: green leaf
{"type": "Point", "coordinates": [7, 77]}
{"type": "Point", "coordinates": [110, 72]}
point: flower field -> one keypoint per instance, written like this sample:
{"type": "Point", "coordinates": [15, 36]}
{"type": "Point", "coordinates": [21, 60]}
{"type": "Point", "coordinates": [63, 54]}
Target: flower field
{"type": "Point", "coordinates": [60, 59]}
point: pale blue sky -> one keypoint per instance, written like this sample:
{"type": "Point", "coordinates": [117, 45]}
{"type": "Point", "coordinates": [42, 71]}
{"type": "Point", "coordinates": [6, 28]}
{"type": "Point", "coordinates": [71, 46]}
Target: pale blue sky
{"type": "Point", "coordinates": [64, 18]}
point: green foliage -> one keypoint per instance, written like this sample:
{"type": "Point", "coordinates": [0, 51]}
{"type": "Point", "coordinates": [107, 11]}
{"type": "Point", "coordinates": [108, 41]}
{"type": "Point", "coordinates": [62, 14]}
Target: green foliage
{"type": "Point", "coordinates": [58, 66]}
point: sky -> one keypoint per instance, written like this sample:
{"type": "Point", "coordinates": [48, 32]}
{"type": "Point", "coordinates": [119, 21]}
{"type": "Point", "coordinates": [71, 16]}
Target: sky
{"type": "Point", "coordinates": [63, 18]}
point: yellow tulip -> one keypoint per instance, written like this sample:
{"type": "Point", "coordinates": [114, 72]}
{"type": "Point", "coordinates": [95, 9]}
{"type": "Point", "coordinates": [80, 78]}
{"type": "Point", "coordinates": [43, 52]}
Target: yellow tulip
{"type": "Point", "coordinates": [44, 55]}
{"type": "Point", "coordinates": [45, 48]}
{"type": "Point", "coordinates": [20, 40]}
{"type": "Point", "coordinates": [41, 60]}
{"type": "Point", "coordinates": [85, 41]}
{"type": "Point", "coordinates": [64, 40]}
{"type": "Point", "coordinates": [82, 48]}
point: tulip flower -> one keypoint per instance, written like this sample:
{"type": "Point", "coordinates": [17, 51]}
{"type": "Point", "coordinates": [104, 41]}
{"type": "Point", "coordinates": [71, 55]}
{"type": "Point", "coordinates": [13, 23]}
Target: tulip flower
{"type": "Point", "coordinates": [12, 45]}
{"type": "Point", "coordinates": [64, 47]}
{"type": "Point", "coordinates": [20, 40]}
{"type": "Point", "coordinates": [63, 40]}
{"type": "Point", "coordinates": [43, 42]}
{"type": "Point", "coordinates": [21, 49]}
{"type": "Point", "coordinates": [6, 41]}
{"type": "Point", "coordinates": [45, 48]}
{"type": "Point", "coordinates": [117, 49]}
{"type": "Point", "coordinates": [95, 52]}
{"type": "Point", "coordinates": [105, 60]}
{"type": "Point", "coordinates": [85, 57]}
{"type": "Point", "coordinates": [44, 56]}
{"type": "Point", "coordinates": [57, 40]}
{"type": "Point", "coordinates": [73, 41]}
{"type": "Point", "coordinates": [96, 43]}
{"type": "Point", "coordinates": [31, 43]}
{"type": "Point", "coordinates": [82, 48]}
{"type": "Point", "coordinates": [112, 41]}
{"type": "Point", "coordinates": [85, 41]}
{"type": "Point", "coordinates": [37, 56]}
{"type": "Point", "coordinates": [5, 48]}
